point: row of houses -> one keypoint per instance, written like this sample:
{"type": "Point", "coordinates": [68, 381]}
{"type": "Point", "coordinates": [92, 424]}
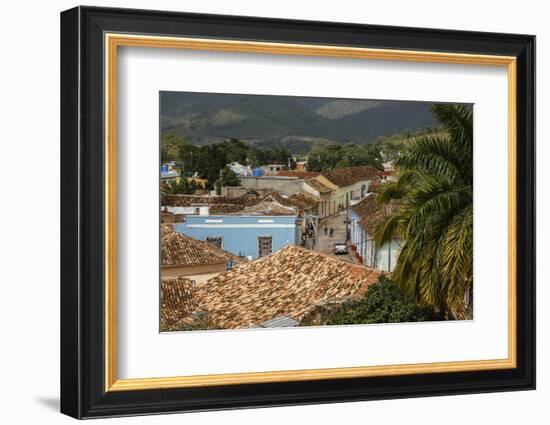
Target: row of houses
{"type": "Point", "coordinates": [268, 213]}
{"type": "Point", "coordinates": [335, 190]}
{"type": "Point", "coordinates": [234, 261]}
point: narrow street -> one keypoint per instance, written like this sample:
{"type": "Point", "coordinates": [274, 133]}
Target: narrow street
{"type": "Point", "coordinates": [324, 242]}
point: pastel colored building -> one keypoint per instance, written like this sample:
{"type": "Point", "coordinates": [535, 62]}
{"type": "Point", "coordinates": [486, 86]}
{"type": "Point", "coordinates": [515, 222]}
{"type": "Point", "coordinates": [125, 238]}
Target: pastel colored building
{"type": "Point", "coordinates": [246, 235]}
{"type": "Point", "coordinates": [271, 169]}
{"type": "Point", "coordinates": [327, 204]}
{"type": "Point", "coordinates": [364, 217]}
{"type": "Point", "coordinates": [348, 184]}
{"type": "Point", "coordinates": [288, 185]}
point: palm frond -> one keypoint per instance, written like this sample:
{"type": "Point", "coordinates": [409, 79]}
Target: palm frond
{"type": "Point", "coordinates": [431, 155]}
{"type": "Point", "coordinates": [387, 230]}
{"type": "Point", "coordinates": [435, 189]}
{"type": "Point", "coordinates": [457, 119]}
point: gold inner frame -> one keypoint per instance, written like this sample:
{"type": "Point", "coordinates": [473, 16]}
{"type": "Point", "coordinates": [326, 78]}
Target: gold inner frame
{"type": "Point", "coordinates": [113, 41]}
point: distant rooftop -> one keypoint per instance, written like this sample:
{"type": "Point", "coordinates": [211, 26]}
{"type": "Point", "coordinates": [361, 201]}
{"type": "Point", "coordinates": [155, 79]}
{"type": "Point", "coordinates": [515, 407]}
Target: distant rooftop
{"type": "Point", "coordinates": [216, 204]}
{"type": "Point", "coordinates": [318, 186]}
{"type": "Point", "coordinates": [169, 174]}
{"type": "Point", "coordinates": [267, 207]}
{"type": "Point", "coordinates": [347, 176]}
{"type": "Point", "coordinates": [300, 201]}
{"type": "Point", "coordinates": [297, 174]}
{"type": "Point", "coordinates": [264, 177]}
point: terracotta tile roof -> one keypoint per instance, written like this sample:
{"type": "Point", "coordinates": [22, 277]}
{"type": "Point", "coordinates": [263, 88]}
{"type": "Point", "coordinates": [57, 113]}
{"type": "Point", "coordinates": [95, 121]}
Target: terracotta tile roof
{"type": "Point", "coordinates": [191, 200]}
{"type": "Point", "coordinates": [288, 283]}
{"type": "Point", "coordinates": [177, 300]}
{"type": "Point", "coordinates": [304, 200]}
{"type": "Point", "coordinates": [166, 228]}
{"type": "Point", "coordinates": [318, 186]}
{"type": "Point", "coordinates": [276, 196]}
{"type": "Point", "coordinates": [299, 201]}
{"type": "Point", "coordinates": [268, 207]}
{"type": "Point", "coordinates": [371, 212]}
{"type": "Point", "coordinates": [217, 204]}
{"type": "Point", "coordinates": [298, 174]}
{"type": "Point", "coordinates": [178, 249]}
{"type": "Point", "coordinates": [347, 176]}
{"type": "Point", "coordinates": [220, 209]}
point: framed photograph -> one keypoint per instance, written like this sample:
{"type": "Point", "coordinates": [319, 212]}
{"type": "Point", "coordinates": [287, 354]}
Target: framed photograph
{"type": "Point", "coordinates": [261, 212]}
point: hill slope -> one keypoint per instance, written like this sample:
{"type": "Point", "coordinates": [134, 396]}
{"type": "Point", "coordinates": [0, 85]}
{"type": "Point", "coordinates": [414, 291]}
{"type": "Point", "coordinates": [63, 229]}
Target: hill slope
{"type": "Point", "coordinates": [293, 122]}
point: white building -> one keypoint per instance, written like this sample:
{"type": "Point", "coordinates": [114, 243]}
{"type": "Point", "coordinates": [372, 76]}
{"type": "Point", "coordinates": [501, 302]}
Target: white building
{"type": "Point", "coordinates": [239, 169]}
{"type": "Point", "coordinates": [364, 217]}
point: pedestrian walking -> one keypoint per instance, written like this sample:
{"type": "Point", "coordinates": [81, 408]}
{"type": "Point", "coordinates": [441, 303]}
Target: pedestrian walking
{"type": "Point", "coordinates": [326, 230]}
{"type": "Point", "coordinates": [331, 232]}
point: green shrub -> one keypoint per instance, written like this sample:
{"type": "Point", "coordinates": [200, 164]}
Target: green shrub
{"type": "Point", "coordinates": [384, 302]}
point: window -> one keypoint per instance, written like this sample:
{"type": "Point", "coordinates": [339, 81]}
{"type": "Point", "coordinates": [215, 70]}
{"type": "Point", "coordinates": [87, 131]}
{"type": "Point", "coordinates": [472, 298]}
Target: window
{"type": "Point", "coordinates": [265, 245]}
{"type": "Point", "coordinates": [215, 241]}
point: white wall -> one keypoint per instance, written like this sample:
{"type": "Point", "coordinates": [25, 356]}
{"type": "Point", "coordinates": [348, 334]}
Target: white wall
{"type": "Point", "coordinates": [30, 249]}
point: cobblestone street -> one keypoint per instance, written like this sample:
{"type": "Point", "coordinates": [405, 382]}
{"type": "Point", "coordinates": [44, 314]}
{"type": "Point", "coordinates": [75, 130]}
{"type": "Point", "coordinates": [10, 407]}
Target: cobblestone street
{"type": "Point", "coordinates": [325, 243]}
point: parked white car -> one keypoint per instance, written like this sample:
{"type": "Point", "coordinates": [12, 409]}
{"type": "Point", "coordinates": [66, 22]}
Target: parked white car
{"type": "Point", "coordinates": [340, 248]}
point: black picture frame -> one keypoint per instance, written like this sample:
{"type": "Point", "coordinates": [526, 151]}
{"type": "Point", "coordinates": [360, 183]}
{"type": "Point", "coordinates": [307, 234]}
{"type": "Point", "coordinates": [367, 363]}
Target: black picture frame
{"type": "Point", "coordinates": [82, 212]}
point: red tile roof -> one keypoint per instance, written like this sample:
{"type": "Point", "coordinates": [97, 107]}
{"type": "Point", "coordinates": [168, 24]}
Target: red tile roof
{"type": "Point", "coordinates": [177, 300]}
{"type": "Point", "coordinates": [298, 174]}
{"type": "Point", "coordinates": [304, 200]}
{"type": "Point", "coordinates": [342, 177]}
{"type": "Point", "coordinates": [191, 200]}
{"type": "Point", "coordinates": [268, 207]}
{"type": "Point", "coordinates": [371, 212]}
{"type": "Point", "coordinates": [178, 249]}
{"type": "Point", "coordinates": [288, 283]}
{"type": "Point", "coordinates": [318, 186]}
{"type": "Point", "coordinates": [300, 201]}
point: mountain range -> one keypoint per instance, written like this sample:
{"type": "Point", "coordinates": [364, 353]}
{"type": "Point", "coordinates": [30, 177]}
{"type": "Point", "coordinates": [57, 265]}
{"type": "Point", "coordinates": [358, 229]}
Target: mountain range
{"type": "Point", "coordinates": [287, 121]}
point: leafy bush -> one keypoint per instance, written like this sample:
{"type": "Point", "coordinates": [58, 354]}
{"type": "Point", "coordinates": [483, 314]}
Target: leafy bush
{"type": "Point", "coordinates": [181, 186]}
{"type": "Point", "coordinates": [384, 302]}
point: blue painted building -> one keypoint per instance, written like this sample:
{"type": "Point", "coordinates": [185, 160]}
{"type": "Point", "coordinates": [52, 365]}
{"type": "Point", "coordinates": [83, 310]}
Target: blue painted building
{"type": "Point", "coordinates": [250, 236]}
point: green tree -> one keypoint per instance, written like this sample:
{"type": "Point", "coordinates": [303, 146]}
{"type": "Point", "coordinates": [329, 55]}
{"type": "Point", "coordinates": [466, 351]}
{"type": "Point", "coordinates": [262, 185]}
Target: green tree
{"type": "Point", "coordinates": [335, 155]}
{"type": "Point", "coordinates": [235, 150]}
{"type": "Point", "coordinates": [435, 189]}
{"type": "Point", "coordinates": [179, 187]}
{"type": "Point", "coordinates": [187, 157]}
{"type": "Point", "coordinates": [227, 178]}
{"type": "Point", "coordinates": [384, 302]}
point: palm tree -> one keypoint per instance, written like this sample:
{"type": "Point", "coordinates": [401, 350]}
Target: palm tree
{"type": "Point", "coordinates": [435, 221]}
